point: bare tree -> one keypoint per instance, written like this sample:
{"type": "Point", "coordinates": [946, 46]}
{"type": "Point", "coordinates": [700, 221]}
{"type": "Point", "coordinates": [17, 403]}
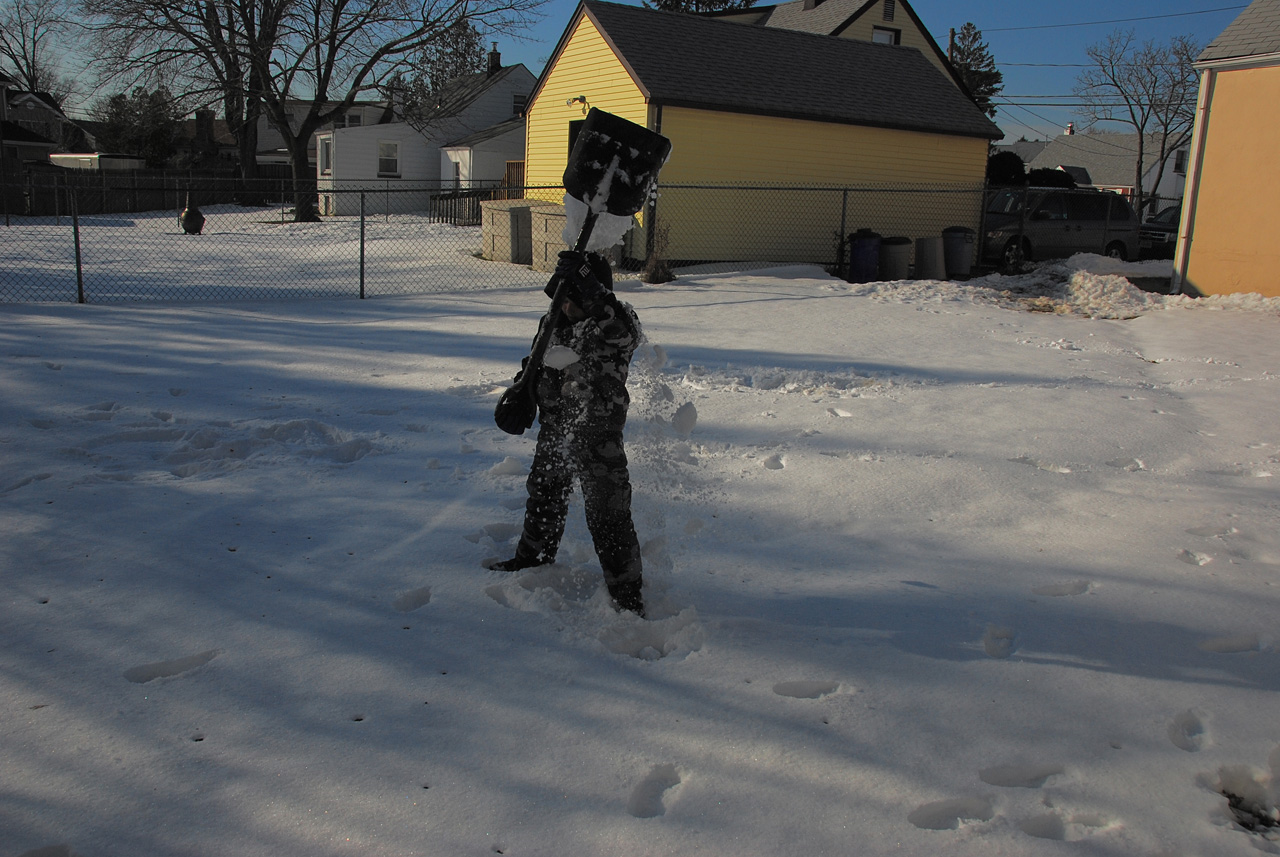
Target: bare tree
{"type": "Point", "coordinates": [201, 48]}
{"type": "Point", "coordinates": [33, 33]}
{"type": "Point", "coordinates": [302, 63]}
{"type": "Point", "coordinates": [333, 51]}
{"type": "Point", "coordinates": [1150, 87]}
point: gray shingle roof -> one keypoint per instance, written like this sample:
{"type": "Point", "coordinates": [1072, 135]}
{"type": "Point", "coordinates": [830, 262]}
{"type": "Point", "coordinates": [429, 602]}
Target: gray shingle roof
{"type": "Point", "coordinates": [1108, 159]}
{"type": "Point", "coordinates": [691, 61]}
{"type": "Point", "coordinates": [825, 17]}
{"type": "Point", "coordinates": [515, 123]}
{"type": "Point", "coordinates": [1255, 32]}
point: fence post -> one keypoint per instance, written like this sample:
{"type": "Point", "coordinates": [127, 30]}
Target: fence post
{"type": "Point", "coordinates": [75, 233]}
{"type": "Point", "coordinates": [844, 231]}
{"type": "Point", "coordinates": [361, 245]}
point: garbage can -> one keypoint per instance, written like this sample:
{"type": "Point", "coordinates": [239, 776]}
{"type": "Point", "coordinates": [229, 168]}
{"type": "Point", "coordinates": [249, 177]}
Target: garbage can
{"type": "Point", "coordinates": [929, 259]}
{"type": "Point", "coordinates": [895, 258]}
{"type": "Point", "coordinates": [957, 249]}
{"type": "Point", "coordinates": [864, 256]}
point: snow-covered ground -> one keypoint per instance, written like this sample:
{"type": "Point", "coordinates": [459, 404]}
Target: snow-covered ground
{"type": "Point", "coordinates": [933, 569]}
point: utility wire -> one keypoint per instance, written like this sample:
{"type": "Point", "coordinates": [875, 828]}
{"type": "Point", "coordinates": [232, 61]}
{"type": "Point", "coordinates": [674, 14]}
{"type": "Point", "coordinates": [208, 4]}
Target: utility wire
{"type": "Point", "coordinates": [1113, 21]}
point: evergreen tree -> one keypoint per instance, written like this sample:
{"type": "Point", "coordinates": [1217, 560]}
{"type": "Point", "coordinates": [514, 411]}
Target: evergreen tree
{"type": "Point", "coordinates": [456, 51]}
{"type": "Point", "coordinates": [972, 59]}
{"type": "Point", "coordinates": [697, 6]}
{"type": "Point", "coordinates": [143, 123]}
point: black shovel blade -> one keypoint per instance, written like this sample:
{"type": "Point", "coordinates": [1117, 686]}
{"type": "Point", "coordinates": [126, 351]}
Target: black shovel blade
{"type": "Point", "coordinates": [614, 163]}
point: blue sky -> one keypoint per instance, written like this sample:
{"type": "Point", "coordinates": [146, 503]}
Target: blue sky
{"type": "Point", "coordinates": [1037, 55]}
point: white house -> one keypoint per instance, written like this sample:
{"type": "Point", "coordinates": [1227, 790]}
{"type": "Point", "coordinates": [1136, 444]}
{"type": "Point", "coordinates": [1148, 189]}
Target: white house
{"type": "Point", "coordinates": [271, 147]}
{"type": "Point", "coordinates": [403, 164]}
{"type": "Point", "coordinates": [481, 159]}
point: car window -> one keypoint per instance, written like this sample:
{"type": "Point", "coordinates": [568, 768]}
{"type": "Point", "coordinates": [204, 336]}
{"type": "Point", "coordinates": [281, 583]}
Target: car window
{"type": "Point", "coordinates": [1006, 202]}
{"type": "Point", "coordinates": [1087, 206]}
{"type": "Point", "coordinates": [1169, 216]}
{"type": "Point", "coordinates": [1121, 211]}
{"type": "Point", "coordinates": [1051, 207]}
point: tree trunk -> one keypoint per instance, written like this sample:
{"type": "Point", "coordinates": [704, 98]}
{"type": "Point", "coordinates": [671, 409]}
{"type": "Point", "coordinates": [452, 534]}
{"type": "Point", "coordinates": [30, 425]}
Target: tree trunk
{"type": "Point", "coordinates": [304, 191]}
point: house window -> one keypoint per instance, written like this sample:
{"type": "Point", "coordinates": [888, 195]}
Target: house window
{"type": "Point", "coordinates": [885, 36]}
{"type": "Point", "coordinates": [889, 9]}
{"type": "Point", "coordinates": [457, 174]}
{"type": "Point", "coordinates": [388, 159]}
{"type": "Point", "coordinates": [326, 156]}
{"type": "Point", "coordinates": [519, 101]}
{"type": "Point", "coordinates": [353, 120]}
{"type": "Point", "coordinates": [1180, 162]}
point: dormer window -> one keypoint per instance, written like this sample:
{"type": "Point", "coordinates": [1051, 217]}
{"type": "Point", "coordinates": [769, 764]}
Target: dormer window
{"type": "Point", "coordinates": [886, 36]}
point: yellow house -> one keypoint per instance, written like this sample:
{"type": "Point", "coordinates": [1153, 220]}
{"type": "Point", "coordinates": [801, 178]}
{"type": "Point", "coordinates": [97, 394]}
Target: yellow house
{"type": "Point", "coordinates": [887, 22]}
{"type": "Point", "coordinates": [1227, 236]}
{"type": "Point", "coordinates": [763, 107]}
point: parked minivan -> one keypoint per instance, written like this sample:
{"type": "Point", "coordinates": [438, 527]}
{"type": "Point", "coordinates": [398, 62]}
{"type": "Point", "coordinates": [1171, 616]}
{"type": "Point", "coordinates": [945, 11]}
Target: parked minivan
{"type": "Point", "coordinates": [1058, 223]}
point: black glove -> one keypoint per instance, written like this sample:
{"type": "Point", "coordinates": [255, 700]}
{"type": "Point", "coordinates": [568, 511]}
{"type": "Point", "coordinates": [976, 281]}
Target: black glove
{"type": "Point", "coordinates": [584, 288]}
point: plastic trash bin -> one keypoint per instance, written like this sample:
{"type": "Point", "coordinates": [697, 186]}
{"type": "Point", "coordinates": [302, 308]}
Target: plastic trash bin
{"type": "Point", "coordinates": [864, 256]}
{"type": "Point", "coordinates": [895, 258]}
{"type": "Point", "coordinates": [957, 250]}
{"type": "Point", "coordinates": [929, 260]}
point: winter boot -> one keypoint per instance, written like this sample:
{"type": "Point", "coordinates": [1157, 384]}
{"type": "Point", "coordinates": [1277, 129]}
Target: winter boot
{"type": "Point", "coordinates": [517, 563]}
{"type": "Point", "coordinates": [627, 596]}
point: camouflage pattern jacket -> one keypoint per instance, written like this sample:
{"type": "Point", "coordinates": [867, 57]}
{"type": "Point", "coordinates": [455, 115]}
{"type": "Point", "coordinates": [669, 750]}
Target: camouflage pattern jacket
{"type": "Point", "coordinates": [591, 392]}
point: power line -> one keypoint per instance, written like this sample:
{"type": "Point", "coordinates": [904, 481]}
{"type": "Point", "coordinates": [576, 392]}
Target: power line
{"type": "Point", "coordinates": [1113, 21]}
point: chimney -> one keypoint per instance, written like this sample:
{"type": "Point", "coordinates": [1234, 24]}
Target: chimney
{"type": "Point", "coordinates": [495, 60]}
{"type": "Point", "coordinates": [1071, 129]}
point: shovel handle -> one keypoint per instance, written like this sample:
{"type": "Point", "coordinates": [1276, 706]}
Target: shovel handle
{"type": "Point", "coordinates": [553, 316]}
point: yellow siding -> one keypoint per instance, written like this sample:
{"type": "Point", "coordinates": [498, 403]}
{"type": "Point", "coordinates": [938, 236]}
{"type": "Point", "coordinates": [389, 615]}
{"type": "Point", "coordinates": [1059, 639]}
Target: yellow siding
{"type": "Point", "coordinates": [585, 67]}
{"type": "Point", "coordinates": [1233, 236]}
{"type": "Point", "coordinates": [725, 148]}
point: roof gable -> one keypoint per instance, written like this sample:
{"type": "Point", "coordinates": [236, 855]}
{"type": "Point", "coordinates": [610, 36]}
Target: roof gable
{"type": "Point", "coordinates": [1256, 32]}
{"type": "Point", "coordinates": [461, 92]}
{"type": "Point", "coordinates": [693, 61]}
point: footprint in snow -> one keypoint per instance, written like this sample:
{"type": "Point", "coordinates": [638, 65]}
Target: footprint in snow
{"type": "Point", "coordinates": [947, 814]}
{"type": "Point", "coordinates": [1063, 590]}
{"type": "Point", "coordinates": [1019, 776]}
{"type": "Point", "coordinates": [164, 669]}
{"type": "Point", "coordinates": [1188, 731]}
{"type": "Point", "coordinates": [412, 599]}
{"type": "Point", "coordinates": [1041, 465]}
{"type": "Point", "coordinates": [774, 462]}
{"type": "Point", "coordinates": [806, 689]}
{"type": "Point", "coordinates": [1212, 531]}
{"type": "Point", "coordinates": [997, 642]}
{"type": "Point", "coordinates": [648, 799]}
{"type": "Point", "coordinates": [1059, 828]}
{"type": "Point", "coordinates": [1191, 557]}
{"type": "Point", "coordinates": [1130, 464]}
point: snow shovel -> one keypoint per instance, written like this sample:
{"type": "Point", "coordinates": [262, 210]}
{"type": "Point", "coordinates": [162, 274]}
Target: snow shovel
{"type": "Point", "coordinates": [612, 167]}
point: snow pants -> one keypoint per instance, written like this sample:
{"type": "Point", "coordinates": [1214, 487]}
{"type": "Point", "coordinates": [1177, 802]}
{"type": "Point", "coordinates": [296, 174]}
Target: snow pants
{"type": "Point", "coordinates": [594, 455]}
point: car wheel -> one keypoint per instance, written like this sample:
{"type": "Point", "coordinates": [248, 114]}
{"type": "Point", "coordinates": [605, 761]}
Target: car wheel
{"type": "Point", "coordinates": [1116, 251]}
{"type": "Point", "coordinates": [1014, 254]}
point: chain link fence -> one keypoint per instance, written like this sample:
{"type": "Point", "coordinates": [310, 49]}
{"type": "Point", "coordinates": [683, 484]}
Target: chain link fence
{"type": "Point", "coordinates": [402, 240]}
